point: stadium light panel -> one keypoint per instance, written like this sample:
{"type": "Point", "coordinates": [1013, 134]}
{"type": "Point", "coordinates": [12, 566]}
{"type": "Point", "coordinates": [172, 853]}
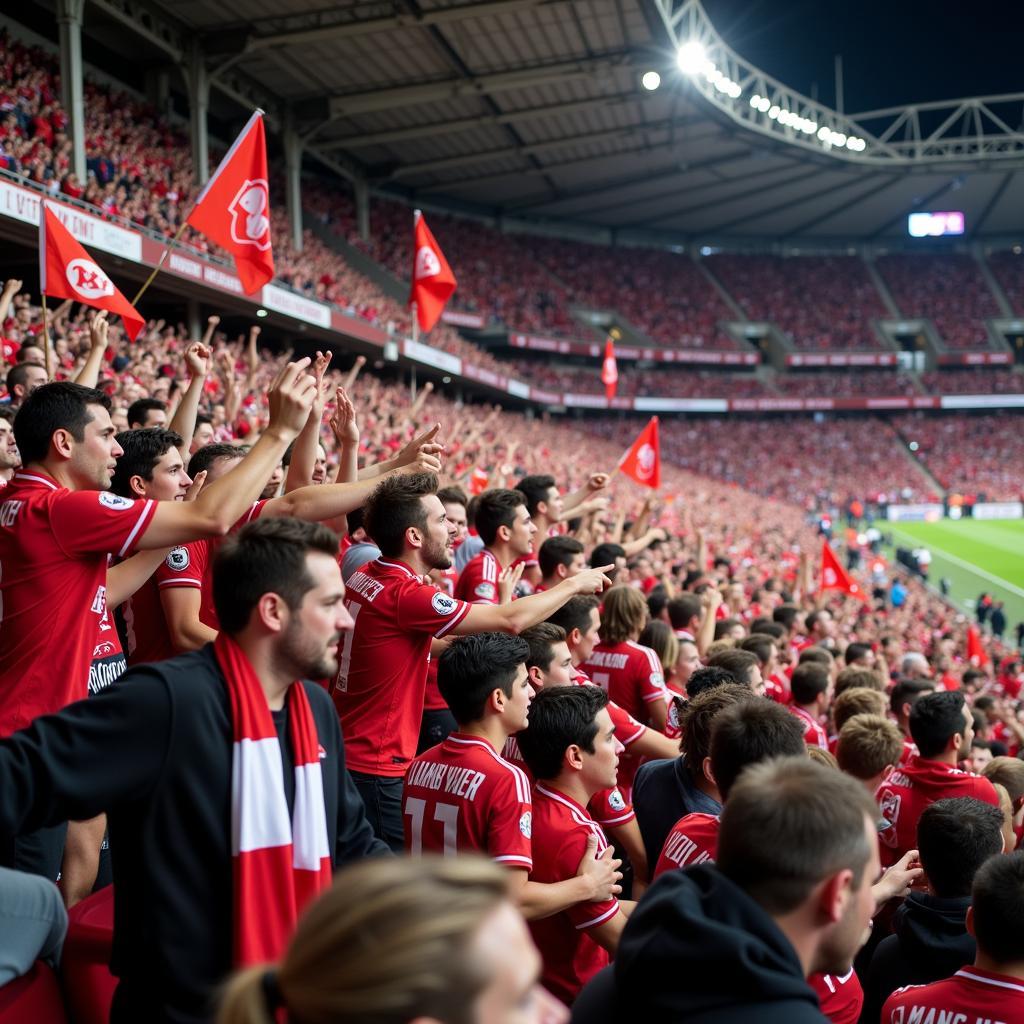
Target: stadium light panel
{"type": "Point", "coordinates": [651, 80]}
{"type": "Point", "coordinates": [691, 58]}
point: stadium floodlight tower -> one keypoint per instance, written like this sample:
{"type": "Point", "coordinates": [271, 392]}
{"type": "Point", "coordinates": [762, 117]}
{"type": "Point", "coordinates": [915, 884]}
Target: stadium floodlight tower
{"type": "Point", "coordinates": [964, 131]}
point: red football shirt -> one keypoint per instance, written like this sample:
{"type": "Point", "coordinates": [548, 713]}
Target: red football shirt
{"type": "Point", "coordinates": [630, 674]}
{"type": "Point", "coordinates": [814, 734]}
{"type": "Point", "coordinates": [903, 797]}
{"type": "Point", "coordinates": [149, 638]}
{"type": "Point", "coordinates": [478, 581]}
{"type": "Point", "coordinates": [207, 612]}
{"type": "Point", "coordinates": [971, 996]}
{"type": "Point", "coordinates": [693, 840]}
{"type": "Point", "coordinates": [561, 828]}
{"type": "Point", "coordinates": [841, 999]}
{"type": "Point", "coordinates": [461, 797]}
{"type": "Point", "coordinates": [53, 551]}
{"type": "Point", "coordinates": [382, 670]}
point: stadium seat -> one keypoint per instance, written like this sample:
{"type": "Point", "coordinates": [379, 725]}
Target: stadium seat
{"type": "Point", "coordinates": [34, 998]}
{"type": "Point", "coordinates": [85, 966]}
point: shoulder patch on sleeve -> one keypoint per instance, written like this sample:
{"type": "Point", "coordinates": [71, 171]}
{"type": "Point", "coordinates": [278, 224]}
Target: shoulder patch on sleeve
{"type": "Point", "coordinates": [443, 604]}
{"type": "Point", "coordinates": [178, 559]}
{"type": "Point", "coordinates": [115, 501]}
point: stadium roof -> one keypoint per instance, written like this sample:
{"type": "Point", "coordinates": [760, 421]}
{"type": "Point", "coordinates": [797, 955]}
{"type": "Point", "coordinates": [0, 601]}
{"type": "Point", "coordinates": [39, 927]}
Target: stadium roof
{"type": "Point", "coordinates": [535, 109]}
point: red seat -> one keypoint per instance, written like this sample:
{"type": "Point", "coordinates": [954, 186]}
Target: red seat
{"type": "Point", "coordinates": [35, 997]}
{"type": "Point", "coordinates": [85, 965]}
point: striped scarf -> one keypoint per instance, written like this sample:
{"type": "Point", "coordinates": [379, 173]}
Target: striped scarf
{"type": "Point", "coordinates": [279, 865]}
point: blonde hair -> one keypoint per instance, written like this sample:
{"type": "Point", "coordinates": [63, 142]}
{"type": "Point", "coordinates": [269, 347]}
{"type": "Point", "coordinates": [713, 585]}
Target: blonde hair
{"type": "Point", "coordinates": [858, 700]}
{"type": "Point", "coordinates": [823, 757]}
{"type": "Point", "coordinates": [623, 614]}
{"type": "Point", "coordinates": [868, 744]}
{"type": "Point", "coordinates": [385, 944]}
{"type": "Point", "coordinates": [1007, 772]}
{"type": "Point", "coordinates": [859, 677]}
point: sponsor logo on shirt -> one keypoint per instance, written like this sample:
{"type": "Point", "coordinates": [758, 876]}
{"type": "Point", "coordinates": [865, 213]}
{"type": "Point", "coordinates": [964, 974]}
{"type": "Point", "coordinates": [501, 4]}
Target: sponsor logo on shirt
{"type": "Point", "coordinates": [526, 824]}
{"type": "Point", "coordinates": [443, 604]}
{"type": "Point", "coordinates": [115, 501]}
{"type": "Point", "coordinates": [615, 801]}
{"type": "Point", "coordinates": [178, 559]}
{"type": "Point", "coordinates": [485, 590]}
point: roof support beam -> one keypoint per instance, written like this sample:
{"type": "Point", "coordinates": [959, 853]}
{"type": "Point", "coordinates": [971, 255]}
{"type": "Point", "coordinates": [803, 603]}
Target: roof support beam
{"type": "Point", "coordinates": [417, 131]}
{"type": "Point", "coordinates": [834, 211]}
{"type": "Point", "coordinates": [330, 27]}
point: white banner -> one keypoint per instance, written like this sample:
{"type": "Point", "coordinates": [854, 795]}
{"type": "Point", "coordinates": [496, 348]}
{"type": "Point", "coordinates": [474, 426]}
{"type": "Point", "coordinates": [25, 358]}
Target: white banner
{"type": "Point", "coordinates": [432, 357]}
{"type": "Point", "coordinates": [23, 204]}
{"type": "Point", "coordinates": [298, 306]}
{"type": "Point", "coordinates": [998, 510]}
{"type": "Point", "coordinates": [925, 513]}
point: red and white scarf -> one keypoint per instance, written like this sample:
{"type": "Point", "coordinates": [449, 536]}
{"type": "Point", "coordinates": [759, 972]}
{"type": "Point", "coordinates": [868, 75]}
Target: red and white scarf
{"type": "Point", "coordinates": [278, 865]}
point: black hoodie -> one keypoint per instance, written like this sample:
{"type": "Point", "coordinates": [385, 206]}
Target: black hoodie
{"type": "Point", "coordinates": [930, 942]}
{"type": "Point", "coordinates": [699, 949]}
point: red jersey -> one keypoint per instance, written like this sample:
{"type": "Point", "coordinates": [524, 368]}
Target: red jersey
{"type": "Point", "coordinates": [777, 688]}
{"type": "Point", "coordinates": [909, 751]}
{"type": "Point", "coordinates": [53, 550]}
{"type": "Point", "coordinates": [693, 840]}
{"type": "Point", "coordinates": [207, 612]}
{"type": "Point", "coordinates": [149, 638]}
{"type": "Point", "coordinates": [971, 996]}
{"type": "Point", "coordinates": [841, 999]}
{"type": "Point", "coordinates": [630, 674]}
{"type": "Point", "coordinates": [382, 670]}
{"type": "Point", "coordinates": [814, 734]}
{"type": "Point", "coordinates": [903, 797]}
{"type": "Point", "coordinates": [461, 797]}
{"type": "Point", "coordinates": [478, 581]}
{"type": "Point", "coordinates": [108, 663]}
{"type": "Point", "coordinates": [561, 828]}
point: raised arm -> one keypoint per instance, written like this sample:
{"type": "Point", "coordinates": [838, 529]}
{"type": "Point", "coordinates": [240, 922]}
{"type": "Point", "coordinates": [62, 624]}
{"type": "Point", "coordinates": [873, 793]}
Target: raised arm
{"type": "Point", "coordinates": [197, 359]}
{"type": "Point", "coordinates": [11, 288]}
{"type": "Point", "coordinates": [595, 482]}
{"type": "Point", "coordinates": [89, 375]}
{"type": "Point", "coordinates": [300, 468]}
{"type": "Point", "coordinates": [223, 502]}
{"type": "Point", "coordinates": [345, 427]}
{"type": "Point", "coordinates": [350, 377]}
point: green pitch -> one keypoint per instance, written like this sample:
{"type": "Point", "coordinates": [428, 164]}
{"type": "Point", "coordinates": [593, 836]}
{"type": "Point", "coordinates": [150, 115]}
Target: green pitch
{"type": "Point", "coordinates": [975, 556]}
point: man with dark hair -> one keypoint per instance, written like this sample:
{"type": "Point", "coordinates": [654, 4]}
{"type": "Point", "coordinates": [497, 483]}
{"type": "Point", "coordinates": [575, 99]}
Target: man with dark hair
{"type": "Point", "coordinates": [383, 666]}
{"type": "Point", "coordinates": [708, 678]}
{"type": "Point", "coordinates": [684, 615]}
{"type": "Point", "coordinates": [993, 989]}
{"type": "Point", "coordinates": [57, 527]}
{"type": "Point", "coordinates": [461, 797]}
{"type": "Point", "coordinates": [202, 435]}
{"type": "Point", "coordinates": [505, 527]}
{"type": "Point", "coordinates": [735, 941]}
{"type": "Point", "coordinates": [194, 747]}
{"type": "Point", "coordinates": [745, 733]}
{"type": "Point", "coordinates": [23, 380]}
{"type": "Point", "coordinates": [10, 460]}
{"type": "Point", "coordinates": [610, 554]}
{"type": "Point", "coordinates": [942, 728]}
{"type": "Point", "coordinates": [743, 666]}
{"type": "Point", "coordinates": [559, 558]}
{"type": "Point", "coordinates": [821, 629]}
{"type": "Point", "coordinates": [860, 655]}
{"type": "Point", "coordinates": [811, 685]}
{"type": "Point", "coordinates": [147, 412]}
{"type": "Point", "coordinates": [902, 699]}
{"type": "Point", "coordinates": [930, 938]}
{"type": "Point", "coordinates": [666, 790]}
{"type": "Point", "coordinates": [571, 750]}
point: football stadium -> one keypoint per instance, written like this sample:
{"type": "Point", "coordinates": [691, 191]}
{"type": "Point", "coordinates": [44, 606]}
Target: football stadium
{"type": "Point", "coordinates": [544, 492]}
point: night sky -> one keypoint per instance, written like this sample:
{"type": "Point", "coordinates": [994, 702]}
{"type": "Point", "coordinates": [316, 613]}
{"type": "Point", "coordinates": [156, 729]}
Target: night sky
{"type": "Point", "coordinates": [894, 53]}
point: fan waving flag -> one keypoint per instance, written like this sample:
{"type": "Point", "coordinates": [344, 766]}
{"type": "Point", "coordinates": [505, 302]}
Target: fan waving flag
{"type": "Point", "coordinates": [432, 279]}
{"type": "Point", "coordinates": [233, 209]}
{"type": "Point", "coordinates": [976, 653]}
{"type": "Point", "coordinates": [609, 370]}
{"type": "Point", "coordinates": [67, 271]}
{"type": "Point", "coordinates": [834, 576]}
{"type": "Point", "coordinates": [643, 460]}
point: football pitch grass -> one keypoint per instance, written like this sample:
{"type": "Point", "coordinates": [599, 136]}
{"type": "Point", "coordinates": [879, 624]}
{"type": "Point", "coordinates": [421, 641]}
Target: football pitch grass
{"type": "Point", "coordinates": [975, 556]}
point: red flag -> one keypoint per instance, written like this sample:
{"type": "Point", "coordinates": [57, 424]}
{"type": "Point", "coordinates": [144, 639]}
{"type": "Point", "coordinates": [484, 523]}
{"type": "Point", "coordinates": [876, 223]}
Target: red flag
{"type": "Point", "coordinates": [432, 279]}
{"type": "Point", "coordinates": [834, 576]}
{"type": "Point", "coordinates": [609, 370]}
{"type": "Point", "coordinates": [643, 460]}
{"type": "Point", "coordinates": [976, 653]}
{"type": "Point", "coordinates": [478, 481]}
{"type": "Point", "coordinates": [67, 271]}
{"type": "Point", "coordinates": [233, 209]}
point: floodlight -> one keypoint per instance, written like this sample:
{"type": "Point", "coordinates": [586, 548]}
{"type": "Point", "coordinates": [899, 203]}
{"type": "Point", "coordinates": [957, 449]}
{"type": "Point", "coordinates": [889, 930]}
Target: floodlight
{"type": "Point", "coordinates": [691, 58]}
{"type": "Point", "coordinates": [651, 80]}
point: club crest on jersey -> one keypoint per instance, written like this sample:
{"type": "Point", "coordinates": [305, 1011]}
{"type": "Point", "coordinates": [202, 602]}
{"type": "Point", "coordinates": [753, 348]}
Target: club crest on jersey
{"type": "Point", "coordinates": [115, 501]}
{"type": "Point", "coordinates": [250, 224]}
{"type": "Point", "coordinates": [178, 559]}
{"type": "Point", "coordinates": [427, 263]}
{"type": "Point", "coordinates": [645, 461]}
{"type": "Point", "coordinates": [526, 824]}
{"type": "Point", "coordinates": [889, 806]}
{"type": "Point", "coordinates": [615, 801]}
{"type": "Point", "coordinates": [443, 604]}
{"type": "Point", "coordinates": [86, 278]}
{"type": "Point", "coordinates": [484, 590]}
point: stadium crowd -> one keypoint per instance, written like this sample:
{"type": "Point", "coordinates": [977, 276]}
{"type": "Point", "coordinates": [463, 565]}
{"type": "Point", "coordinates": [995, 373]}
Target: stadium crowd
{"type": "Point", "coordinates": [322, 700]}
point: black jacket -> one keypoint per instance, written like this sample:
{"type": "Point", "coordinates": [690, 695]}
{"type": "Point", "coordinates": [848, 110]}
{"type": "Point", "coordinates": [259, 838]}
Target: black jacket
{"type": "Point", "coordinates": [699, 950]}
{"type": "Point", "coordinates": [154, 752]}
{"type": "Point", "coordinates": [929, 942]}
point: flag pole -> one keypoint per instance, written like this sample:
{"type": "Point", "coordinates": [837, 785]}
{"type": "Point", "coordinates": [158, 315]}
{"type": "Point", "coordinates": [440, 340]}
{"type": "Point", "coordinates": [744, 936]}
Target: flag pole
{"type": "Point", "coordinates": [46, 341]}
{"type": "Point", "coordinates": [163, 256]}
